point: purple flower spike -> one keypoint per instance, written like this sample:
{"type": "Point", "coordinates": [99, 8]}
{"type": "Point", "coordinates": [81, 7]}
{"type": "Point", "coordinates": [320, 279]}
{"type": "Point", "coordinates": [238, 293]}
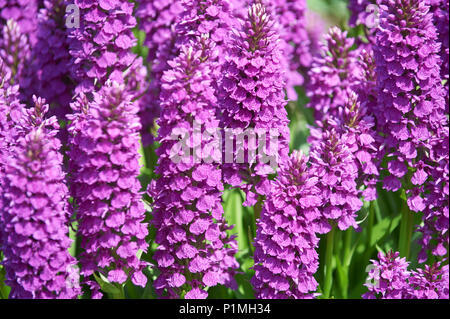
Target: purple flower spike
{"type": "Point", "coordinates": [49, 72]}
{"type": "Point", "coordinates": [285, 245]}
{"type": "Point", "coordinates": [252, 98]}
{"type": "Point", "coordinates": [194, 250]}
{"type": "Point", "coordinates": [335, 163]}
{"type": "Point", "coordinates": [104, 162]}
{"type": "Point", "coordinates": [412, 106]}
{"type": "Point", "coordinates": [35, 216]}
{"type": "Point", "coordinates": [101, 47]}
{"type": "Point", "coordinates": [333, 74]}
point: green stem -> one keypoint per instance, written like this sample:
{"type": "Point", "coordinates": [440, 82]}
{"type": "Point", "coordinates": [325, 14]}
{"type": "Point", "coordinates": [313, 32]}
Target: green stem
{"type": "Point", "coordinates": [371, 221]}
{"type": "Point", "coordinates": [329, 263]}
{"type": "Point", "coordinates": [406, 228]}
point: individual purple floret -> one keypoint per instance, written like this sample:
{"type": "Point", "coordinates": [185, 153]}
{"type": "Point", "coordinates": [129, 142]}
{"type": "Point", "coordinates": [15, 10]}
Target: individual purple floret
{"type": "Point", "coordinates": [101, 47]}
{"type": "Point", "coordinates": [412, 98]}
{"type": "Point", "coordinates": [285, 245]}
{"type": "Point", "coordinates": [253, 101]}
{"type": "Point", "coordinates": [194, 251]}
{"type": "Point", "coordinates": [49, 73]}
{"type": "Point", "coordinates": [35, 215]}
{"type": "Point", "coordinates": [104, 166]}
{"type": "Point", "coordinates": [388, 277]}
{"type": "Point", "coordinates": [333, 74]}
{"type": "Point", "coordinates": [14, 50]}
{"type": "Point", "coordinates": [24, 12]}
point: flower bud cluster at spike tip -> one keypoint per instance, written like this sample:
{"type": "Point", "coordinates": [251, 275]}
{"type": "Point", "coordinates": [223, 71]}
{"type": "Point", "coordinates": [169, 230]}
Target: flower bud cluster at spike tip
{"type": "Point", "coordinates": [49, 72]}
{"type": "Point", "coordinates": [194, 252]}
{"type": "Point", "coordinates": [24, 12]}
{"type": "Point", "coordinates": [285, 245]}
{"type": "Point", "coordinates": [35, 215]}
{"type": "Point", "coordinates": [104, 162]}
{"type": "Point", "coordinates": [252, 97]}
{"type": "Point", "coordinates": [388, 277]}
{"type": "Point", "coordinates": [101, 47]}
{"type": "Point", "coordinates": [412, 98]}
{"type": "Point", "coordinates": [333, 74]}
{"type": "Point", "coordinates": [336, 166]}
{"type": "Point", "coordinates": [14, 49]}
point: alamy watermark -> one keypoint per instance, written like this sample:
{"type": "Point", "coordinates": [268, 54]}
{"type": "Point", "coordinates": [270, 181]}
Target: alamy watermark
{"type": "Point", "coordinates": [198, 144]}
{"type": "Point", "coordinates": [72, 16]}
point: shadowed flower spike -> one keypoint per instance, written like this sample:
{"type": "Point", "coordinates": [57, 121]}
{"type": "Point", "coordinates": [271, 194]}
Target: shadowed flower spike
{"type": "Point", "coordinates": [101, 47]}
{"type": "Point", "coordinates": [109, 210]}
{"type": "Point", "coordinates": [412, 98]}
{"type": "Point", "coordinates": [285, 245]}
{"type": "Point", "coordinates": [158, 20]}
{"type": "Point", "coordinates": [440, 10]}
{"type": "Point", "coordinates": [365, 13]}
{"type": "Point", "coordinates": [252, 97]}
{"type": "Point", "coordinates": [333, 74]}
{"type": "Point", "coordinates": [194, 251]}
{"type": "Point", "coordinates": [49, 72]}
{"type": "Point", "coordinates": [24, 12]}
{"type": "Point", "coordinates": [14, 49]}
{"type": "Point", "coordinates": [35, 214]}
{"type": "Point", "coordinates": [188, 19]}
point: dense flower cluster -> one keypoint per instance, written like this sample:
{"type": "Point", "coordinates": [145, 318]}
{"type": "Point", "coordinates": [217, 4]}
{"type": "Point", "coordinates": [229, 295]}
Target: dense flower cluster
{"type": "Point", "coordinates": [361, 138]}
{"type": "Point", "coordinates": [335, 164]}
{"type": "Point", "coordinates": [35, 214]}
{"type": "Point", "coordinates": [333, 74]}
{"type": "Point", "coordinates": [100, 48]}
{"type": "Point", "coordinates": [252, 97]}
{"type": "Point", "coordinates": [285, 245]}
{"type": "Point", "coordinates": [389, 278]}
{"type": "Point", "coordinates": [412, 98]}
{"type": "Point", "coordinates": [49, 72]}
{"type": "Point", "coordinates": [24, 12]}
{"type": "Point", "coordinates": [440, 10]}
{"type": "Point", "coordinates": [432, 282]}
{"type": "Point", "coordinates": [105, 164]}
{"type": "Point", "coordinates": [194, 251]}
